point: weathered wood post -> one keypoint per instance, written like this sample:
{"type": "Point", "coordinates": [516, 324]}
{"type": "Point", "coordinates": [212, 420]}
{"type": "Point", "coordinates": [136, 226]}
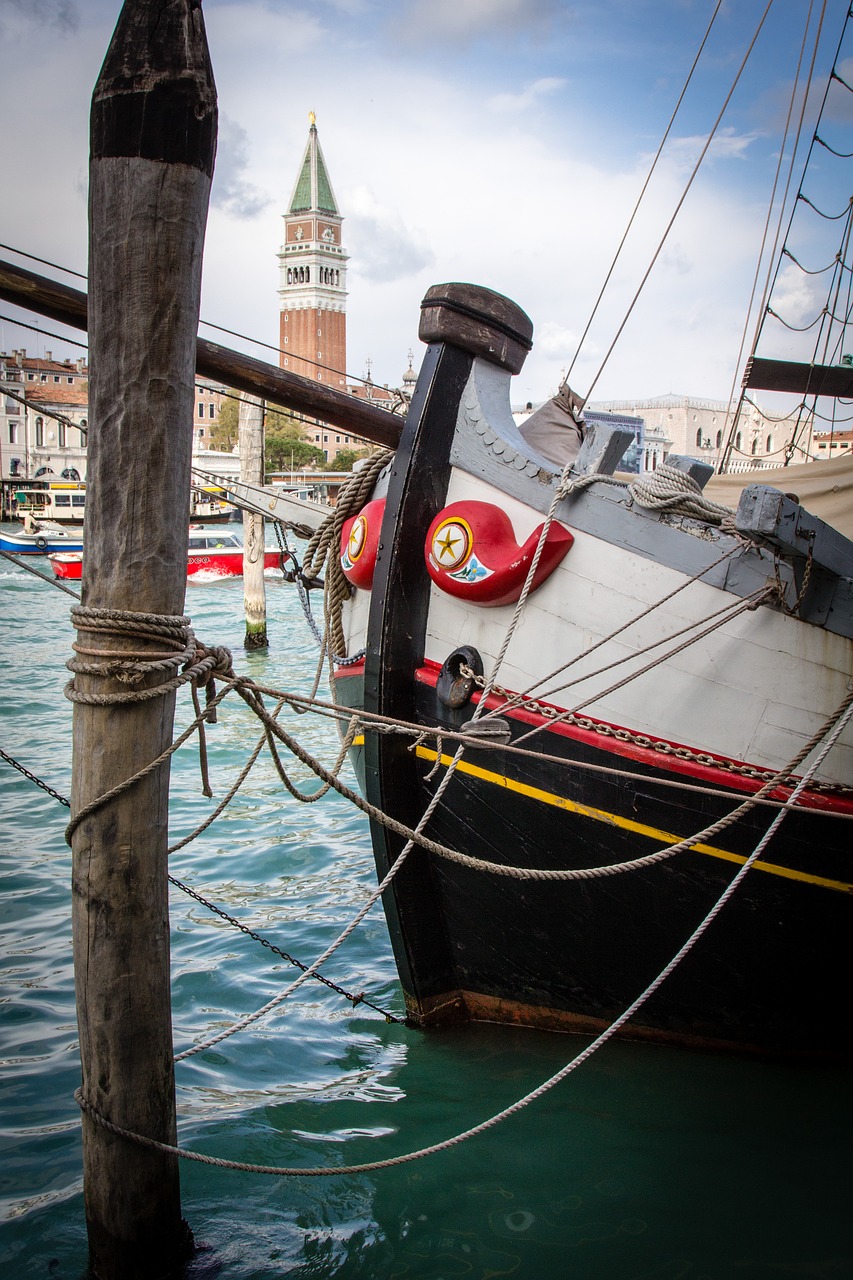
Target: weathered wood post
{"type": "Point", "coordinates": [153, 140]}
{"type": "Point", "coordinates": [251, 441]}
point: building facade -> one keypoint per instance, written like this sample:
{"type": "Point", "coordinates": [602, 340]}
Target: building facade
{"type": "Point", "coordinates": [44, 412]}
{"type": "Point", "coordinates": [698, 428]}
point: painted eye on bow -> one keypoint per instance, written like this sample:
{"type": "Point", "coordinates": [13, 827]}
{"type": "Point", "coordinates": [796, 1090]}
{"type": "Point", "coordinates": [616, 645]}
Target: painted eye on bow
{"type": "Point", "coordinates": [451, 543]}
{"type": "Point", "coordinates": [360, 543]}
{"type": "Point", "coordinates": [471, 553]}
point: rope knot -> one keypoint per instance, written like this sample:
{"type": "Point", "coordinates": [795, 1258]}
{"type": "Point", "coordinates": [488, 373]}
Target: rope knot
{"type": "Point", "coordinates": [216, 661]}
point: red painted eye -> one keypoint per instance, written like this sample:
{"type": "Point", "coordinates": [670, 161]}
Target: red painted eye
{"type": "Point", "coordinates": [360, 543]}
{"type": "Point", "coordinates": [471, 552]}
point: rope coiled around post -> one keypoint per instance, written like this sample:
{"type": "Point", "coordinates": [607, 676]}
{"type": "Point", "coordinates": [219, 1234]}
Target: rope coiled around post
{"type": "Point", "coordinates": [669, 489]}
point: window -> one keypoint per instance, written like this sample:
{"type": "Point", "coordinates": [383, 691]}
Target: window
{"type": "Point", "coordinates": [13, 433]}
{"type": "Point", "coordinates": [755, 446]}
{"type": "Point", "coordinates": [699, 438]}
{"type": "Point", "coordinates": [56, 377]}
{"type": "Point", "coordinates": [62, 435]}
{"type": "Point", "coordinates": [769, 448]}
{"type": "Point", "coordinates": [738, 440]}
{"type": "Point", "coordinates": [39, 432]}
{"type": "Point", "coordinates": [719, 438]}
{"type": "Point", "coordinates": [201, 409]}
{"type": "Point", "coordinates": [62, 500]}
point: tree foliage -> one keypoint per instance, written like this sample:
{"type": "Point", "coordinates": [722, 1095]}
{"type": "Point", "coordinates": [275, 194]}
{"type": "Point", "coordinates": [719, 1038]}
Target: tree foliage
{"type": "Point", "coordinates": [285, 446]}
{"type": "Point", "coordinates": [224, 430]}
{"type": "Point", "coordinates": [344, 459]}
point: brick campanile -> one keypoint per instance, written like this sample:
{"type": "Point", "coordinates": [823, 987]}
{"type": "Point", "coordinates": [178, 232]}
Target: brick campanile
{"type": "Point", "coordinates": [312, 275]}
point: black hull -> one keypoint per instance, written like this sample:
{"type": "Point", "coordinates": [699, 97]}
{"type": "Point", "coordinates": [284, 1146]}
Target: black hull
{"type": "Point", "coordinates": [768, 976]}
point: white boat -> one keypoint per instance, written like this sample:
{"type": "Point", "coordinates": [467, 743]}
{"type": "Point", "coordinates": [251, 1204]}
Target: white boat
{"type": "Point", "coordinates": [45, 539]}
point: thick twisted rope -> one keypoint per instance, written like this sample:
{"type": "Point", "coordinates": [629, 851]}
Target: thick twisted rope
{"type": "Point", "coordinates": [322, 555]}
{"type": "Point", "coordinates": [669, 489]}
{"type": "Point", "coordinates": [193, 663]}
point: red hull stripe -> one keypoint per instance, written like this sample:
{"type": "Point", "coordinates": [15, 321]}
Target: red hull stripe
{"type": "Point", "coordinates": [664, 757]}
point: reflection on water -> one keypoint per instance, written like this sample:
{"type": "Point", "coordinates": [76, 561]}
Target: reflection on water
{"type": "Point", "coordinates": [646, 1164]}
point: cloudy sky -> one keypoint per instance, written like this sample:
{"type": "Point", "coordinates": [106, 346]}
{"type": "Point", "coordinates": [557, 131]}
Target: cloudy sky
{"type": "Point", "coordinates": [502, 142]}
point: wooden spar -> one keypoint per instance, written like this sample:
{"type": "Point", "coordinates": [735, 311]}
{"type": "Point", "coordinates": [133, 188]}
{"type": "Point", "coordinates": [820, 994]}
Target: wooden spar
{"type": "Point", "coordinates": [153, 139]}
{"type": "Point", "coordinates": [251, 436]}
{"type": "Point", "coordinates": [834, 380]}
{"type": "Point", "coordinates": [278, 386]}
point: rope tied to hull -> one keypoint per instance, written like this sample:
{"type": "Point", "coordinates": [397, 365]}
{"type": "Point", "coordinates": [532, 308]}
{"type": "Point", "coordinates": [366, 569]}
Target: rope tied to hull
{"type": "Point", "coordinates": [830, 734]}
{"type": "Point", "coordinates": [669, 489]}
{"type": "Point", "coordinates": [322, 558]}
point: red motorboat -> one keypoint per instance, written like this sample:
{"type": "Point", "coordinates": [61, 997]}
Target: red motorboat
{"type": "Point", "coordinates": [220, 554]}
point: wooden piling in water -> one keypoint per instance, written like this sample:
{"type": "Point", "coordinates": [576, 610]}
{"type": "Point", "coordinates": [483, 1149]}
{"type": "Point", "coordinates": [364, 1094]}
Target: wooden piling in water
{"type": "Point", "coordinates": [153, 138]}
{"type": "Point", "coordinates": [251, 443]}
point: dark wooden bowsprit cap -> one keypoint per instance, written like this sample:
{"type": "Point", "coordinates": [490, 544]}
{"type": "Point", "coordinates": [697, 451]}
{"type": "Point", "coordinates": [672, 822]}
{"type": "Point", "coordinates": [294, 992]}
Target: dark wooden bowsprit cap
{"type": "Point", "coordinates": [478, 320]}
{"type": "Point", "coordinates": [155, 97]}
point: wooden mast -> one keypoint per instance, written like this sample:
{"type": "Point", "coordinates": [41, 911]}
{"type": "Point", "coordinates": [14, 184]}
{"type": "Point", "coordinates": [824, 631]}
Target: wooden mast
{"type": "Point", "coordinates": [153, 139]}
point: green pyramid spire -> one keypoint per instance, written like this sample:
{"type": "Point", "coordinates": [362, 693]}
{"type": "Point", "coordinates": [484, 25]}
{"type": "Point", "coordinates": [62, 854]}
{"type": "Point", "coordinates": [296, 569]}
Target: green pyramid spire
{"type": "Point", "coordinates": [313, 190]}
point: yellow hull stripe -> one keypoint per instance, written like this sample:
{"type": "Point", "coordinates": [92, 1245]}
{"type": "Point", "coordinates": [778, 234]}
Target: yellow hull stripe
{"type": "Point", "coordinates": [626, 824]}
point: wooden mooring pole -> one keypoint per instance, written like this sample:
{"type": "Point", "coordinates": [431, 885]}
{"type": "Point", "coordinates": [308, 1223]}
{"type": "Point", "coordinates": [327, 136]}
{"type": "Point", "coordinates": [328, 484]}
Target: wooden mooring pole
{"type": "Point", "coordinates": [153, 140]}
{"type": "Point", "coordinates": [251, 438]}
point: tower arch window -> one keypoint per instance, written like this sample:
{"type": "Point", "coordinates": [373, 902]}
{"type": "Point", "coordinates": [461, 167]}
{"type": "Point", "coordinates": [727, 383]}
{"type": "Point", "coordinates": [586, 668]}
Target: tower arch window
{"type": "Point", "coordinates": [719, 438]}
{"type": "Point", "coordinates": [769, 448]}
{"type": "Point", "coordinates": [699, 438]}
{"type": "Point", "coordinates": [755, 445]}
{"type": "Point", "coordinates": [738, 440]}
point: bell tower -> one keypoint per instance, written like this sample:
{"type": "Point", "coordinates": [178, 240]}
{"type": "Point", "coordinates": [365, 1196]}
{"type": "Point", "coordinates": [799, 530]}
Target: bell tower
{"type": "Point", "coordinates": [312, 275]}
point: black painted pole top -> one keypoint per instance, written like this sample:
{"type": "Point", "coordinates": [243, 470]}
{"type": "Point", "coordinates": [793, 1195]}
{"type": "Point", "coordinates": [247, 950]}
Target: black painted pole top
{"type": "Point", "coordinates": [155, 97]}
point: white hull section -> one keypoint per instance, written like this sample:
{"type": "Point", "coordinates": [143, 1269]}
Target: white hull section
{"type": "Point", "coordinates": [753, 690]}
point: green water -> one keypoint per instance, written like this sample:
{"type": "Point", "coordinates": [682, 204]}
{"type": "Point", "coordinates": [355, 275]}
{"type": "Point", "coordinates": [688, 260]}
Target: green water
{"type": "Point", "coordinates": [646, 1164]}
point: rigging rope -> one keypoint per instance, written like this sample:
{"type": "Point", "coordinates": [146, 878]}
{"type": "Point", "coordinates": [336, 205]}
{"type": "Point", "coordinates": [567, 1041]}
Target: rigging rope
{"type": "Point", "coordinates": [839, 722]}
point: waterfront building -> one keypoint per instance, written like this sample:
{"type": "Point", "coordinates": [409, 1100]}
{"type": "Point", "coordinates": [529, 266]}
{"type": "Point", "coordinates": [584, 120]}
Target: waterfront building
{"type": "Point", "coordinates": [699, 428]}
{"type": "Point", "coordinates": [43, 417]}
{"type": "Point", "coordinates": [829, 445]}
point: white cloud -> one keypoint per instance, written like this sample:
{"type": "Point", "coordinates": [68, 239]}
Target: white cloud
{"type": "Point", "coordinates": [445, 21]}
{"type": "Point", "coordinates": [231, 191]}
{"type": "Point", "coordinates": [527, 97]}
{"type": "Point", "coordinates": [383, 248]}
